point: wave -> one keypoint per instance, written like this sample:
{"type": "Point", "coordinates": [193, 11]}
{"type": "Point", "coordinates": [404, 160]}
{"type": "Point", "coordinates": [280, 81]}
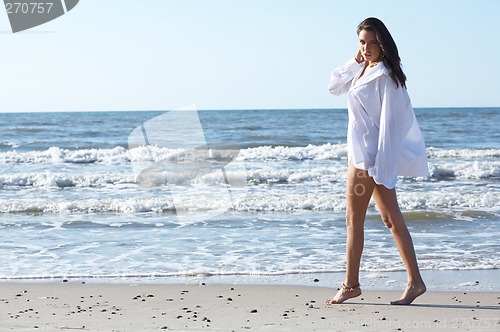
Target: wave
{"type": "Point", "coordinates": [58, 156]}
{"type": "Point", "coordinates": [265, 173]}
{"type": "Point", "coordinates": [433, 152]}
{"type": "Point", "coordinates": [250, 201]}
{"type": "Point", "coordinates": [270, 178]}
{"type": "Point", "coordinates": [465, 170]}
{"type": "Point", "coordinates": [118, 155]}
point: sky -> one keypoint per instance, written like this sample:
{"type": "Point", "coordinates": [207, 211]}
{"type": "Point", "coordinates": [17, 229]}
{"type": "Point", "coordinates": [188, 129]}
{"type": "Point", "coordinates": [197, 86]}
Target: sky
{"type": "Point", "coordinates": [120, 55]}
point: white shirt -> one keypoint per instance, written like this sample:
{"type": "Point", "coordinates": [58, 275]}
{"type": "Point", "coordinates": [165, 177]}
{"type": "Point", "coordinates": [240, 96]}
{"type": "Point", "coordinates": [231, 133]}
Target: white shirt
{"type": "Point", "coordinates": [383, 136]}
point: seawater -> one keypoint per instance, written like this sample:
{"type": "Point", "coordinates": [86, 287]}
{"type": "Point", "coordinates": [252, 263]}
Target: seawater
{"type": "Point", "coordinates": [70, 204]}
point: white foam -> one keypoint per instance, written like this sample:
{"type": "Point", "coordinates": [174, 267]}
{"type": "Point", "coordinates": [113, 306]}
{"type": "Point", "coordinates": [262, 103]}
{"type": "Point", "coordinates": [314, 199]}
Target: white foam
{"type": "Point", "coordinates": [435, 153]}
{"type": "Point", "coordinates": [277, 179]}
{"type": "Point", "coordinates": [451, 163]}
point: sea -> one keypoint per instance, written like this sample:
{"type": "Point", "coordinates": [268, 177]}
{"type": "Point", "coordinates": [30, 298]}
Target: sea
{"type": "Point", "coordinates": [239, 195]}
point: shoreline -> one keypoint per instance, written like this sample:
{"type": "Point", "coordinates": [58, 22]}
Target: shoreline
{"type": "Point", "coordinates": [32, 306]}
{"type": "Point", "coordinates": [436, 280]}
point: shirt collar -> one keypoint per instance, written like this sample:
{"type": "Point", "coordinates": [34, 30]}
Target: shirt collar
{"type": "Point", "coordinates": [379, 70]}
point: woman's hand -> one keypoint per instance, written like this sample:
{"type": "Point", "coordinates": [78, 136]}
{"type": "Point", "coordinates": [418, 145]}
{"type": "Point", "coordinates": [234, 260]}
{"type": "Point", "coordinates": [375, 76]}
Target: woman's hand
{"type": "Point", "coordinates": [359, 57]}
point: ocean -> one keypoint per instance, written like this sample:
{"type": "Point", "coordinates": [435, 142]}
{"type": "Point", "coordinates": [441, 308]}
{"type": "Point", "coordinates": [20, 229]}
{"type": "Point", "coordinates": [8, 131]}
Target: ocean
{"type": "Point", "coordinates": [240, 194]}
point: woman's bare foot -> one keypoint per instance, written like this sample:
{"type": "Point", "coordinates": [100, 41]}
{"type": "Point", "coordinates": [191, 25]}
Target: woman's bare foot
{"type": "Point", "coordinates": [410, 294]}
{"type": "Point", "coordinates": [345, 293]}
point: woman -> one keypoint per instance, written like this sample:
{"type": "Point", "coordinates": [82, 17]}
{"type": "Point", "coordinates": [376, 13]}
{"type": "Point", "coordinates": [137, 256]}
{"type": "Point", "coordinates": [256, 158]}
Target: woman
{"type": "Point", "coordinates": [383, 141]}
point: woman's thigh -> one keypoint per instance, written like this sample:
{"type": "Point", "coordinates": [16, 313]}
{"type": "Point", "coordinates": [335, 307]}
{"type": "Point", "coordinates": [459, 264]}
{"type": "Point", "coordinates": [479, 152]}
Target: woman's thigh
{"type": "Point", "coordinates": [359, 191]}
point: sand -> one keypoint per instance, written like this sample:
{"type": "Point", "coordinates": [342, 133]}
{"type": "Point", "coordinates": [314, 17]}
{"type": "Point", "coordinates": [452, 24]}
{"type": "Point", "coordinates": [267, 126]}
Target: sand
{"type": "Point", "coordinates": [72, 306]}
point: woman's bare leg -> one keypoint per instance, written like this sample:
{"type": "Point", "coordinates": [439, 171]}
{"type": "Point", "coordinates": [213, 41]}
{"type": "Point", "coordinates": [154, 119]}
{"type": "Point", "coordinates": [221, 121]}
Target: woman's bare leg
{"type": "Point", "coordinates": [359, 191]}
{"type": "Point", "coordinates": [387, 203]}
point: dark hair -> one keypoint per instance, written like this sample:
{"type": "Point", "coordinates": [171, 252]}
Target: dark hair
{"type": "Point", "coordinates": [390, 55]}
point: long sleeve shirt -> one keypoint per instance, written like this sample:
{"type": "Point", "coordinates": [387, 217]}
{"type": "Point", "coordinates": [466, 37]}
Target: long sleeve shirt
{"type": "Point", "coordinates": [383, 136]}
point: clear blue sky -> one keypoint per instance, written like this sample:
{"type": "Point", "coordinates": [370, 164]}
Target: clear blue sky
{"type": "Point", "coordinates": [242, 54]}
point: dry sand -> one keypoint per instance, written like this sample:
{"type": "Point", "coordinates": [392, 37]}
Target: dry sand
{"type": "Point", "coordinates": [164, 307]}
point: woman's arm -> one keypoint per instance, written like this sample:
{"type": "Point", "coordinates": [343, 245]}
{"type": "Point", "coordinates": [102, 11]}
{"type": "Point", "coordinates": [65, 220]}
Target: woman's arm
{"type": "Point", "coordinates": [341, 77]}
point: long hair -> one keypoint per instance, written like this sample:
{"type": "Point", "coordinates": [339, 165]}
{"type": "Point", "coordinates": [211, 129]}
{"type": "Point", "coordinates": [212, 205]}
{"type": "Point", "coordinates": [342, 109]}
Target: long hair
{"type": "Point", "coordinates": [390, 55]}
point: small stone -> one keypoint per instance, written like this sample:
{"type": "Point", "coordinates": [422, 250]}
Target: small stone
{"type": "Point", "coordinates": [254, 311]}
{"type": "Point", "coordinates": [316, 280]}
{"type": "Point", "coordinates": [164, 328]}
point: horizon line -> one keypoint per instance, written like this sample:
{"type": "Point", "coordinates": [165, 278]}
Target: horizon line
{"type": "Point", "coordinates": [238, 109]}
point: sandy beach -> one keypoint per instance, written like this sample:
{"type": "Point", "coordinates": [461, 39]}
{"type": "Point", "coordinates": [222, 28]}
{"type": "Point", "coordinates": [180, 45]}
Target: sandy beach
{"type": "Point", "coordinates": [72, 306]}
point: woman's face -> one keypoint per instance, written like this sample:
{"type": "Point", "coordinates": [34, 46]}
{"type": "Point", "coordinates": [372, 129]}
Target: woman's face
{"type": "Point", "coordinates": [369, 46]}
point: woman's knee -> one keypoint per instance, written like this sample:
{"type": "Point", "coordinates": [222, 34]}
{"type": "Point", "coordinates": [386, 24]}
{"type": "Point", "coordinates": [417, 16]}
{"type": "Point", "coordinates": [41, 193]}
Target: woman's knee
{"type": "Point", "coordinates": [394, 222]}
{"type": "Point", "coordinates": [387, 221]}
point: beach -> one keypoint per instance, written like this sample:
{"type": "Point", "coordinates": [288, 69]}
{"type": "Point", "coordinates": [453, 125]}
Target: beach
{"type": "Point", "coordinates": [106, 226]}
{"type": "Point", "coordinates": [83, 306]}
